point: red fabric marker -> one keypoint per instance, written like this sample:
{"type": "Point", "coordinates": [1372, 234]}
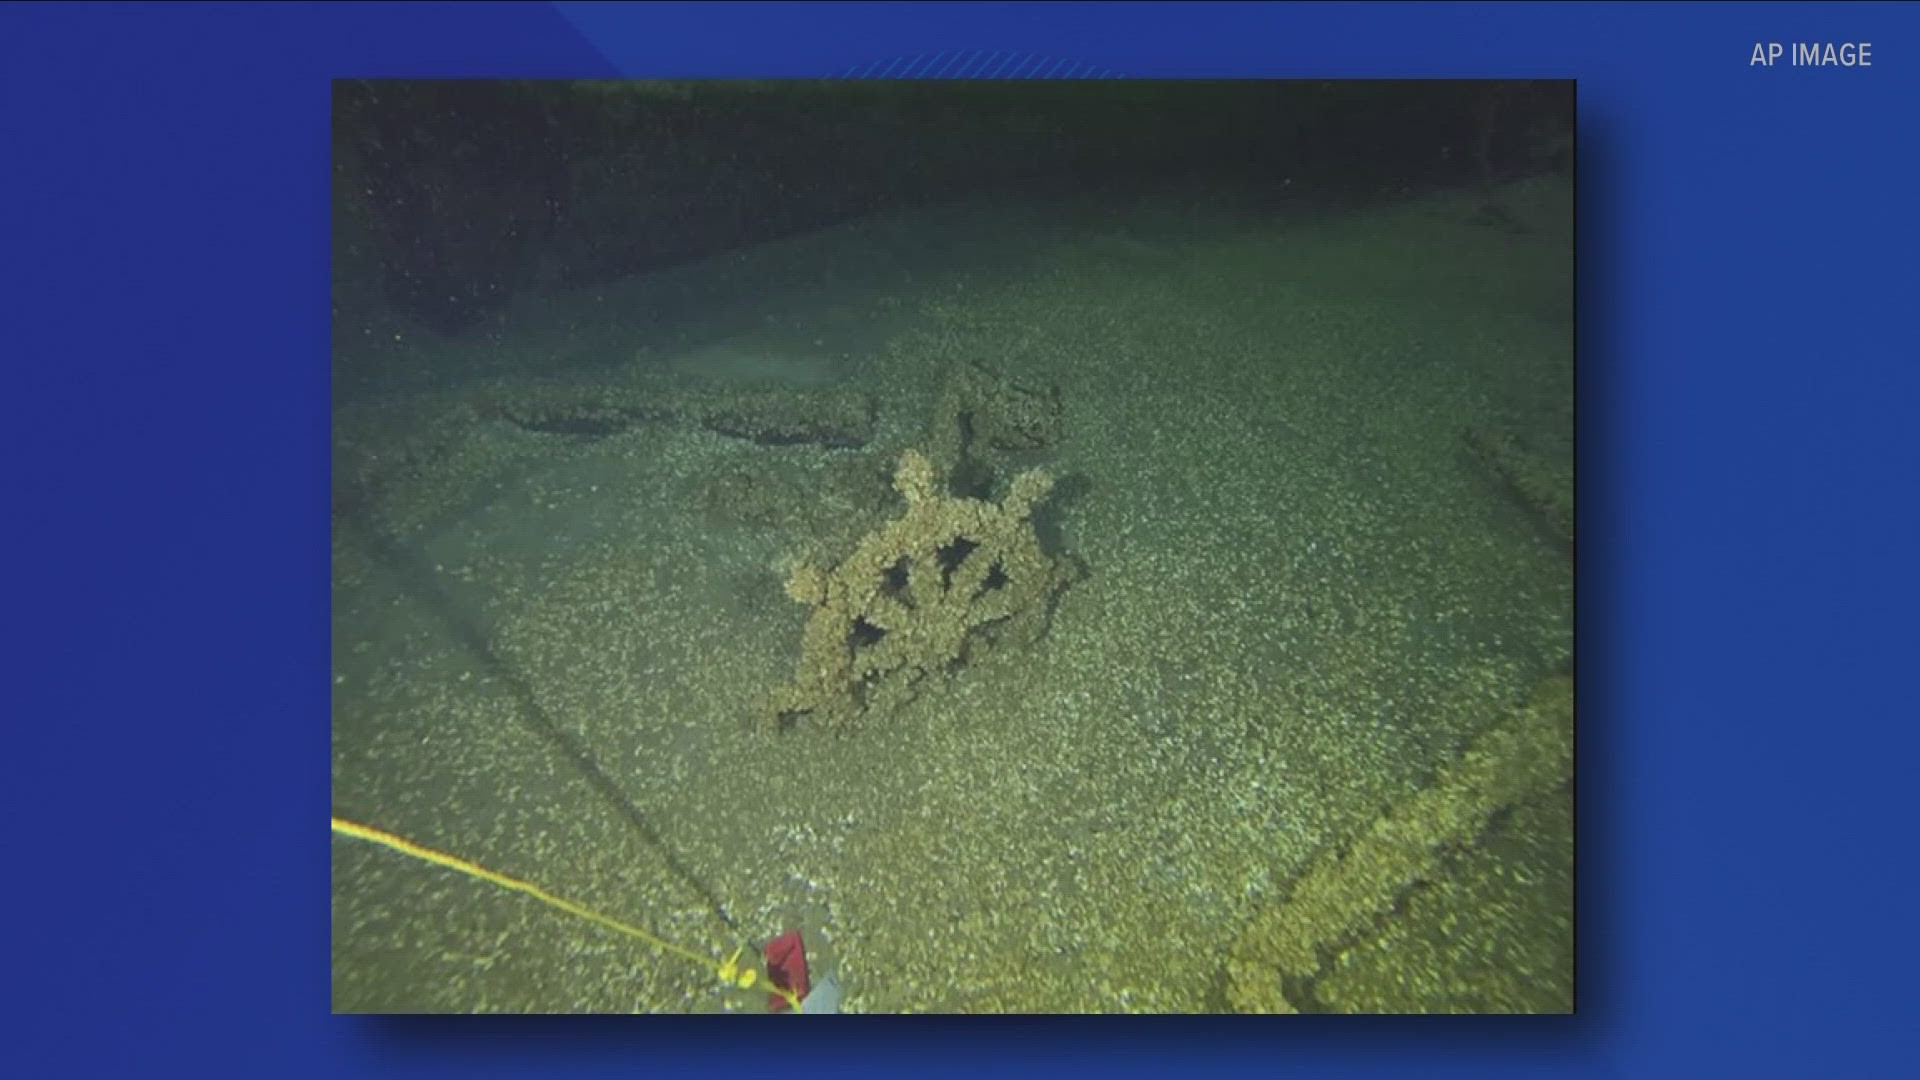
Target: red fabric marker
{"type": "Point", "coordinates": [787, 969]}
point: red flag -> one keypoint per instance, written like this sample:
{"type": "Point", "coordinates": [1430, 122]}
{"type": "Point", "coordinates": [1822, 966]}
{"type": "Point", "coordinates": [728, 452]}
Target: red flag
{"type": "Point", "coordinates": [787, 968]}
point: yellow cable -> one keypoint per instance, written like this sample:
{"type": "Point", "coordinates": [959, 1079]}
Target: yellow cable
{"type": "Point", "coordinates": [727, 971]}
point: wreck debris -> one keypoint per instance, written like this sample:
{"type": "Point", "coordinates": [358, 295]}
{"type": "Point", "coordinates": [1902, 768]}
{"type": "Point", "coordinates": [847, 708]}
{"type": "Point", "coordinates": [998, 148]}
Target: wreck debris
{"type": "Point", "coordinates": [1541, 482]}
{"type": "Point", "coordinates": [982, 410]}
{"type": "Point", "coordinates": [773, 416]}
{"type": "Point", "coordinates": [1527, 755]}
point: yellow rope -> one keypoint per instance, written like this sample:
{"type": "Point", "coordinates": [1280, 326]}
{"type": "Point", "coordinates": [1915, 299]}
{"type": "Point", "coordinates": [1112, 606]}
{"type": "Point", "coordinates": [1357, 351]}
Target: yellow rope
{"type": "Point", "coordinates": [728, 971]}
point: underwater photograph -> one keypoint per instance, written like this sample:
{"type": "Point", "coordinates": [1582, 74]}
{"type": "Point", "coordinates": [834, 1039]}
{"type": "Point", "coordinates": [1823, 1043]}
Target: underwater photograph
{"type": "Point", "coordinates": [1038, 546]}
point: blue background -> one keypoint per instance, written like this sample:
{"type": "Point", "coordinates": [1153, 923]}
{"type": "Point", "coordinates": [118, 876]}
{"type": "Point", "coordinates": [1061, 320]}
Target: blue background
{"type": "Point", "coordinates": [1748, 413]}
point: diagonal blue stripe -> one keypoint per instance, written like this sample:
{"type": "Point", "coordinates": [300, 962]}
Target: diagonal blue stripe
{"type": "Point", "coordinates": [975, 64]}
